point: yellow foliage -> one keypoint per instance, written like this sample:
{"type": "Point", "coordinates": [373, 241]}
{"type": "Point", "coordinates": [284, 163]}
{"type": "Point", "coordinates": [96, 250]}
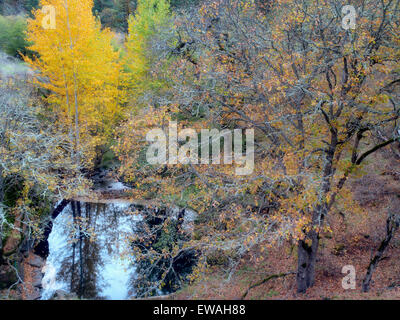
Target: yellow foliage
{"type": "Point", "coordinates": [78, 65]}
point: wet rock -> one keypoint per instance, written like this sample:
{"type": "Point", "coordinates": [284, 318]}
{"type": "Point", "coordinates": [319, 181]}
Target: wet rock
{"type": "Point", "coordinates": [37, 279]}
{"type": "Point", "coordinates": [59, 295]}
{"type": "Point", "coordinates": [36, 261]}
{"type": "Point", "coordinates": [26, 247]}
{"type": "Point", "coordinates": [63, 295]}
{"type": "Point", "coordinates": [33, 294]}
{"type": "Point", "coordinates": [31, 273]}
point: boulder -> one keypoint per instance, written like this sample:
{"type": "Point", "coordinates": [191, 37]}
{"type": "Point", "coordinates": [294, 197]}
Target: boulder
{"type": "Point", "coordinates": [33, 294]}
{"type": "Point", "coordinates": [35, 261]}
{"type": "Point", "coordinates": [63, 295]}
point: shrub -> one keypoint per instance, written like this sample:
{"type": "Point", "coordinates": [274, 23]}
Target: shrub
{"type": "Point", "coordinates": [12, 35]}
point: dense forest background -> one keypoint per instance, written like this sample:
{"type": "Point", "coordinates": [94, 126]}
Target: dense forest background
{"type": "Point", "coordinates": [112, 13]}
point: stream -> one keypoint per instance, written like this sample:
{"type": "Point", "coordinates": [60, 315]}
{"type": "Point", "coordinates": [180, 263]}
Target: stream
{"type": "Point", "coordinates": [91, 258]}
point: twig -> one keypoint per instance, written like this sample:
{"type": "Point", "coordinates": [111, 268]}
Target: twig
{"type": "Point", "coordinates": [273, 276]}
{"type": "Point", "coordinates": [19, 281]}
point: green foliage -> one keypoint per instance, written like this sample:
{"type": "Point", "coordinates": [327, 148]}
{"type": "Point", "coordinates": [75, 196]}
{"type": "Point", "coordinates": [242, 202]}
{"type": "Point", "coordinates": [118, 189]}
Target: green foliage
{"type": "Point", "coordinates": [12, 35]}
{"type": "Point", "coordinates": [114, 14]}
{"type": "Point", "coordinates": [150, 14]}
{"type": "Point", "coordinates": [100, 5]}
{"type": "Point", "coordinates": [150, 24]}
{"type": "Point", "coordinates": [184, 3]}
{"type": "Point", "coordinates": [168, 237]}
{"type": "Point", "coordinates": [14, 191]}
{"type": "Point", "coordinates": [110, 17]}
{"type": "Point", "coordinates": [109, 160]}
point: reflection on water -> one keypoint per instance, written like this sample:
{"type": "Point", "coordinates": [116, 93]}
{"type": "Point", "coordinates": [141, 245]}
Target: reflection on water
{"type": "Point", "coordinates": [90, 257]}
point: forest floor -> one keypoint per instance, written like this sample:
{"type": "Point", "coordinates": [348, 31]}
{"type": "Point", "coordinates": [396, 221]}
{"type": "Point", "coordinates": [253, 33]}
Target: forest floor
{"type": "Point", "coordinates": [356, 235]}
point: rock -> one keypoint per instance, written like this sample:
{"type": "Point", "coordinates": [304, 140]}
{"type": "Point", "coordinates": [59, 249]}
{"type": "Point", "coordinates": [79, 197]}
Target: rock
{"type": "Point", "coordinates": [31, 273]}
{"type": "Point", "coordinates": [34, 294]}
{"type": "Point", "coordinates": [59, 295]}
{"type": "Point", "coordinates": [36, 261]}
{"type": "Point", "coordinates": [63, 295]}
{"type": "Point", "coordinates": [12, 241]}
{"type": "Point", "coordinates": [37, 279]}
{"type": "Point", "coordinates": [7, 277]}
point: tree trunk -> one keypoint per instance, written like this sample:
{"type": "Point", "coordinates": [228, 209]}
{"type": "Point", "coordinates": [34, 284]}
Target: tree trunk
{"type": "Point", "coordinates": [73, 247]}
{"type": "Point", "coordinates": [392, 224]}
{"type": "Point", "coordinates": [77, 133]}
{"type": "Point", "coordinates": [2, 213]}
{"type": "Point", "coordinates": [308, 247]}
{"type": "Point", "coordinates": [306, 261]}
{"type": "Point", "coordinates": [79, 211]}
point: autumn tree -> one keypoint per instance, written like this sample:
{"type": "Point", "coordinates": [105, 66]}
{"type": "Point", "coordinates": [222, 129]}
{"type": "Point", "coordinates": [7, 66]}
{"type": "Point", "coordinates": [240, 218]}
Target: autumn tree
{"type": "Point", "coordinates": [78, 65]}
{"type": "Point", "coordinates": [318, 95]}
{"type": "Point", "coordinates": [150, 21]}
{"type": "Point", "coordinates": [35, 165]}
{"type": "Point", "coordinates": [310, 86]}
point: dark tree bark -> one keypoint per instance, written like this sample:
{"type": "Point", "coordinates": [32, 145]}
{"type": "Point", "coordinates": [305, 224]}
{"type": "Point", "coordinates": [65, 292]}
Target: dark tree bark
{"type": "Point", "coordinates": [73, 248]}
{"type": "Point", "coordinates": [306, 261]}
{"type": "Point", "coordinates": [308, 247]}
{"type": "Point", "coordinates": [1, 225]}
{"type": "Point", "coordinates": [392, 224]}
{"type": "Point", "coordinates": [81, 275]}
